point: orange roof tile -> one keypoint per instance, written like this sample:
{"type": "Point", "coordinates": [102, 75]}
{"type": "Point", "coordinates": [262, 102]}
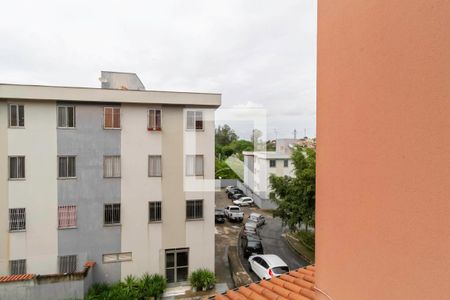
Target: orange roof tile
{"type": "Point", "coordinates": [295, 285]}
{"type": "Point", "coordinates": [19, 277]}
{"type": "Point", "coordinates": [89, 264]}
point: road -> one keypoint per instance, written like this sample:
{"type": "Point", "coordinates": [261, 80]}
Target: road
{"type": "Point", "coordinates": [271, 235]}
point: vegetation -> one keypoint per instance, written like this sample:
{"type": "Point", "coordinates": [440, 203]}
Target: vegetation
{"type": "Point", "coordinates": [296, 196]}
{"type": "Point", "coordinates": [146, 287]}
{"type": "Point", "coordinates": [202, 279]}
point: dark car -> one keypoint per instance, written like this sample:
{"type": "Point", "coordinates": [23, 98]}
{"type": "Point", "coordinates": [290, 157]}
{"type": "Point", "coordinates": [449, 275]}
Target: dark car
{"type": "Point", "coordinates": [237, 196]}
{"type": "Point", "coordinates": [251, 245]}
{"type": "Point", "coordinates": [219, 216]}
{"type": "Point", "coordinates": [234, 192]}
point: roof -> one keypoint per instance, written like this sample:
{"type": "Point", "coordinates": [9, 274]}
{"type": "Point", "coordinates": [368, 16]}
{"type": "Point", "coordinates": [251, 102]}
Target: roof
{"type": "Point", "coordinates": [19, 277]}
{"type": "Point", "coordinates": [85, 94]}
{"type": "Point", "coordinates": [295, 285]}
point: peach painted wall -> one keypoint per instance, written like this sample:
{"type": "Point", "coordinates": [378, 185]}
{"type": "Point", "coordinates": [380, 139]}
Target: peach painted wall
{"type": "Point", "coordinates": [383, 152]}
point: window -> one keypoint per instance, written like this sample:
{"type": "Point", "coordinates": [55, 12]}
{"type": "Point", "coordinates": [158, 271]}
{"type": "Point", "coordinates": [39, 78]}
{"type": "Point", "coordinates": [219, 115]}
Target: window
{"type": "Point", "coordinates": [17, 167]}
{"type": "Point", "coordinates": [66, 116]}
{"type": "Point", "coordinates": [154, 119]}
{"type": "Point", "coordinates": [17, 266]}
{"type": "Point", "coordinates": [67, 264]}
{"type": "Point", "coordinates": [272, 163]}
{"type": "Point", "coordinates": [17, 219]}
{"type": "Point", "coordinates": [194, 209]}
{"type": "Point", "coordinates": [194, 120]}
{"type": "Point", "coordinates": [154, 166]}
{"type": "Point", "coordinates": [286, 163]}
{"type": "Point", "coordinates": [112, 214]}
{"type": "Point", "coordinates": [154, 211]}
{"type": "Point", "coordinates": [117, 257]}
{"type": "Point", "coordinates": [111, 118]}
{"type": "Point", "coordinates": [177, 265]}
{"type": "Point", "coordinates": [194, 165]}
{"type": "Point", "coordinates": [111, 166]}
{"type": "Point", "coordinates": [16, 115]}
{"type": "Point", "coordinates": [66, 167]}
{"type": "Point", "coordinates": [67, 216]}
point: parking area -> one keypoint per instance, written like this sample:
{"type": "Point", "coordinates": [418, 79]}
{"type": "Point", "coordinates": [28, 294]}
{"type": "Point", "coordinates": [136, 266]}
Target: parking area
{"type": "Point", "coordinates": [227, 234]}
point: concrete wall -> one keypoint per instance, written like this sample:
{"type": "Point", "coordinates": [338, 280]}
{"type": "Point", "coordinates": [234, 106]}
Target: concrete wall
{"type": "Point", "coordinates": [89, 191]}
{"type": "Point", "coordinates": [37, 193]}
{"type": "Point", "coordinates": [383, 151]}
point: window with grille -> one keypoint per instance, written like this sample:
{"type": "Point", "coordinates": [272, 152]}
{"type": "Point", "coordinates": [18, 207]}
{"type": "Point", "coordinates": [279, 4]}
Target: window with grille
{"type": "Point", "coordinates": [272, 163]}
{"type": "Point", "coordinates": [17, 219]}
{"type": "Point", "coordinates": [177, 265]}
{"type": "Point", "coordinates": [154, 165]}
{"type": "Point", "coordinates": [17, 266]}
{"type": "Point", "coordinates": [117, 257]}
{"type": "Point", "coordinates": [67, 167]}
{"type": "Point", "coordinates": [16, 115]}
{"type": "Point", "coordinates": [194, 165]}
{"type": "Point", "coordinates": [111, 118]}
{"type": "Point", "coordinates": [17, 167]}
{"type": "Point", "coordinates": [154, 214]}
{"type": "Point", "coordinates": [286, 163]}
{"type": "Point", "coordinates": [112, 214]}
{"type": "Point", "coordinates": [66, 116]}
{"type": "Point", "coordinates": [67, 216]}
{"type": "Point", "coordinates": [67, 264]}
{"type": "Point", "coordinates": [194, 120]}
{"type": "Point", "coordinates": [154, 119]}
{"type": "Point", "coordinates": [111, 166]}
{"type": "Point", "coordinates": [194, 209]}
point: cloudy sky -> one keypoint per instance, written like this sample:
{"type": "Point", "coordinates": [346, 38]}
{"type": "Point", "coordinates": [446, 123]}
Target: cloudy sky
{"type": "Point", "coordinates": [259, 54]}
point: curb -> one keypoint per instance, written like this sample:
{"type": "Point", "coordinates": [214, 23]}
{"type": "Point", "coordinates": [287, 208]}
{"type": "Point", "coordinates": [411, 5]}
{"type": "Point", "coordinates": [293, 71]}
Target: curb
{"type": "Point", "coordinates": [296, 251]}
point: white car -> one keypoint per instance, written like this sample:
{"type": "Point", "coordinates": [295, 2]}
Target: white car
{"type": "Point", "coordinates": [243, 201]}
{"type": "Point", "coordinates": [267, 266]}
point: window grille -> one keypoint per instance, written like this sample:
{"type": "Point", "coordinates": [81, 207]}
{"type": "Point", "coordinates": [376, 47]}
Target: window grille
{"type": "Point", "coordinates": [67, 264]}
{"type": "Point", "coordinates": [112, 214]}
{"type": "Point", "coordinates": [67, 216]}
{"type": "Point", "coordinates": [111, 166]}
{"type": "Point", "coordinates": [154, 211]}
{"type": "Point", "coordinates": [154, 165]}
{"type": "Point", "coordinates": [16, 115]}
{"type": "Point", "coordinates": [17, 219]}
{"type": "Point", "coordinates": [18, 266]}
{"type": "Point", "coordinates": [194, 209]}
{"type": "Point", "coordinates": [194, 120]}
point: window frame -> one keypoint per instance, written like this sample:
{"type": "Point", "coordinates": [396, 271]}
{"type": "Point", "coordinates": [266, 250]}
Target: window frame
{"type": "Point", "coordinates": [105, 157]}
{"type": "Point", "coordinates": [154, 128]}
{"type": "Point", "coordinates": [9, 167]}
{"type": "Point", "coordinates": [22, 225]}
{"type": "Point", "coordinates": [175, 264]}
{"type": "Point", "coordinates": [194, 208]}
{"type": "Point", "coordinates": [195, 120]}
{"type": "Point", "coordinates": [117, 255]}
{"type": "Point", "coordinates": [22, 264]}
{"type": "Point", "coordinates": [66, 106]}
{"type": "Point", "coordinates": [67, 166]}
{"type": "Point", "coordinates": [112, 214]}
{"type": "Point", "coordinates": [160, 165]}
{"type": "Point", "coordinates": [274, 163]}
{"type": "Point", "coordinates": [68, 257]}
{"type": "Point", "coordinates": [286, 163]}
{"type": "Point", "coordinates": [17, 105]}
{"type": "Point", "coordinates": [158, 206]}
{"type": "Point", "coordinates": [112, 118]}
{"type": "Point", "coordinates": [195, 156]}
{"type": "Point", "coordinates": [75, 218]}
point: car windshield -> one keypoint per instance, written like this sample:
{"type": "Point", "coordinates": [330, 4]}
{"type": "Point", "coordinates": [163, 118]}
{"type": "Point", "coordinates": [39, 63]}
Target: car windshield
{"type": "Point", "coordinates": [254, 244]}
{"type": "Point", "coordinates": [235, 208]}
{"type": "Point", "coordinates": [219, 213]}
{"type": "Point", "coordinates": [280, 270]}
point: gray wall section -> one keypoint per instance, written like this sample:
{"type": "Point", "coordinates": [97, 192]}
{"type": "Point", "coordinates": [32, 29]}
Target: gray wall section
{"type": "Point", "coordinates": [89, 191]}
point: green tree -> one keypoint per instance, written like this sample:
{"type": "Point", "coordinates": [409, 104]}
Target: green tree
{"type": "Point", "coordinates": [225, 135]}
{"type": "Point", "coordinates": [296, 196]}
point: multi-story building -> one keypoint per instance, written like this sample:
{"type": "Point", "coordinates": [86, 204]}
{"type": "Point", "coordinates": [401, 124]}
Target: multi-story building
{"type": "Point", "coordinates": [118, 175]}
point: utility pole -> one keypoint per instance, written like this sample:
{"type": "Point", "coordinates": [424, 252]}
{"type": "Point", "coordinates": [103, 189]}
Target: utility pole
{"type": "Point", "coordinates": [295, 134]}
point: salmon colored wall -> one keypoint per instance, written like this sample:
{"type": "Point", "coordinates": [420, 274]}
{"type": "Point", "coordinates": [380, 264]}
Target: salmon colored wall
{"type": "Point", "coordinates": [383, 167]}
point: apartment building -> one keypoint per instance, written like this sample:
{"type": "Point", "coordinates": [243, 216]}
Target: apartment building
{"type": "Point", "coordinates": [118, 175]}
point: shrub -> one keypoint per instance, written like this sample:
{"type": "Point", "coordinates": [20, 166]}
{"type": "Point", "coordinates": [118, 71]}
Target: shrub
{"type": "Point", "coordinates": [307, 238]}
{"type": "Point", "coordinates": [152, 286]}
{"type": "Point", "coordinates": [202, 279]}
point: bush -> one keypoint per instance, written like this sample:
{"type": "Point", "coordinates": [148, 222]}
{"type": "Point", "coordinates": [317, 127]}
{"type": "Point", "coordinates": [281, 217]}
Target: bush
{"type": "Point", "coordinates": [130, 288]}
{"type": "Point", "coordinates": [307, 238]}
{"type": "Point", "coordinates": [202, 279]}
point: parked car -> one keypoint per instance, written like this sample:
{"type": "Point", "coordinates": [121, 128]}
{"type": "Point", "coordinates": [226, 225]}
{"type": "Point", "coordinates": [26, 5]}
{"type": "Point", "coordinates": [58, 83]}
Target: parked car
{"type": "Point", "coordinates": [229, 188]}
{"type": "Point", "coordinates": [257, 218]}
{"type": "Point", "coordinates": [233, 192]}
{"type": "Point", "coordinates": [251, 245]}
{"type": "Point", "coordinates": [250, 228]}
{"type": "Point", "coordinates": [243, 201]}
{"type": "Point", "coordinates": [234, 213]}
{"type": "Point", "coordinates": [267, 266]}
{"type": "Point", "coordinates": [219, 216]}
{"type": "Point", "coordinates": [237, 196]}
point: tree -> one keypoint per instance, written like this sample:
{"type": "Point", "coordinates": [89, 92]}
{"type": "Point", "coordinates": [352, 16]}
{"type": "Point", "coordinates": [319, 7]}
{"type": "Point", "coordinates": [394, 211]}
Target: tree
{"type": "Point", "coordinates": [296, 196]}
{"type": "Point", "coordinates": [225, 135]}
